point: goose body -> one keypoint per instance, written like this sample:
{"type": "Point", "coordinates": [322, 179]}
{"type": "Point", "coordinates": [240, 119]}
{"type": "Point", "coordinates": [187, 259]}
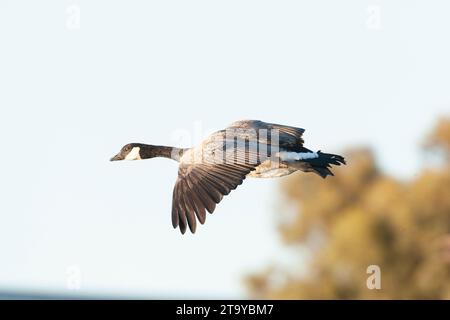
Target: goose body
{"type": "Point", "coordinates": [209, 171]}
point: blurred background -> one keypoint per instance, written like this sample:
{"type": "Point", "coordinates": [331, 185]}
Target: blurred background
{"type": "Point", "coordinates": [368, 79]}
{"type": "Point", "coordinates": [366, 216]}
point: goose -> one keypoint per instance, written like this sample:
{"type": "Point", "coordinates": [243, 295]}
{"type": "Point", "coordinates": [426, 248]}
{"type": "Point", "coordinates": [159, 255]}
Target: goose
{"type": "Point", "coordinates": [246, 148]}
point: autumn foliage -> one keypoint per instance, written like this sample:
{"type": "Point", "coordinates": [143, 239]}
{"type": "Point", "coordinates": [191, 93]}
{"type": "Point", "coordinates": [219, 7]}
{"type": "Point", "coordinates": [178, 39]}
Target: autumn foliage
{"type": "Point", "coordinates": [363, 217]}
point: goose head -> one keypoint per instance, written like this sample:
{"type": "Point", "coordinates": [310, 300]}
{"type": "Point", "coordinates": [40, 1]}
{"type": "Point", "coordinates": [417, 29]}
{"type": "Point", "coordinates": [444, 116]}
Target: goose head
{"type": "Point", "coordinates": [131, 151]}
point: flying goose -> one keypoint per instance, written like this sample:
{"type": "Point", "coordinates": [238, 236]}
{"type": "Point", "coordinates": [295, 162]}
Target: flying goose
{"type": "Point", "coordinates": [248, 148]}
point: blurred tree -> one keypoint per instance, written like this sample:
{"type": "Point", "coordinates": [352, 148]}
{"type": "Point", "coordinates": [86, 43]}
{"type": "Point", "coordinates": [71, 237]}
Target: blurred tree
{"type": "Point", "coordinates": [362, 217]}
{"type": "Point", "coordinates": [439, 139]}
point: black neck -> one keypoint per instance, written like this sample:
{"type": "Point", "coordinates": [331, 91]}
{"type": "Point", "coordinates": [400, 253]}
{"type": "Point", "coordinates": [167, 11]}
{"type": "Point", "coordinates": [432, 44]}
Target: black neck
{"type": "Point", "coordinates": [149, 151]}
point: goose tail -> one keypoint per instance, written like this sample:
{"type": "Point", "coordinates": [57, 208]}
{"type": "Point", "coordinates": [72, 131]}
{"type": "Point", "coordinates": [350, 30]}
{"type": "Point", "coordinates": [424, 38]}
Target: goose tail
{"type": "Point", "coordinates": [323, 163]}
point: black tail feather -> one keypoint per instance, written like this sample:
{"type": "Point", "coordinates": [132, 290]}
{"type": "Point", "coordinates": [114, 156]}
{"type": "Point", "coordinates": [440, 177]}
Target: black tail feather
{"type": "Point", "coordinates": [323, 163]}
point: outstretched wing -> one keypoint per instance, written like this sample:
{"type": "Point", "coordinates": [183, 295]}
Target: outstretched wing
{"type": "Point", "coordinates": [200, 187]}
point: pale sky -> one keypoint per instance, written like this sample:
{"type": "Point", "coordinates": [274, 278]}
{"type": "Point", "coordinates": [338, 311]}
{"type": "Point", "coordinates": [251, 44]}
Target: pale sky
{"type": "Point", "coordinates": [373, 73]}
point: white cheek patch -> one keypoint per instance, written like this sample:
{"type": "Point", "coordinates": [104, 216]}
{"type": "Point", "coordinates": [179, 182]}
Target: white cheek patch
{"type": "Point", "coordinates": [133, 154]}
{"type": "Point", "coordinates": [296, 156]}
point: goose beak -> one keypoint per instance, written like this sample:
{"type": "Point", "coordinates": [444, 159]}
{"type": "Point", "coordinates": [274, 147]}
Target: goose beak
{"type": "Point", "coordinates": [117, 157]}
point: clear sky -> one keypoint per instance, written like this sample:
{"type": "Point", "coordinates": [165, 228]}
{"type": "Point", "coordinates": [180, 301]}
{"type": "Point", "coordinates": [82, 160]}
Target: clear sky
{"type": "Point", "coordinates": [72, 92]}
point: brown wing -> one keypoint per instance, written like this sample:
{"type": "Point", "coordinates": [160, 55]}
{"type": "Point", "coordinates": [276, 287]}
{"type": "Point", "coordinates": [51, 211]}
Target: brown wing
{"type": "Point", "coordinates": [289, 137]}
{"type": "Point", "coordinates": [200, 187]}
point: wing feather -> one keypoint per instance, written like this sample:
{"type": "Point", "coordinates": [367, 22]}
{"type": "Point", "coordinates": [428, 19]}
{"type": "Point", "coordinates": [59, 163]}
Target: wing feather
{"type": "Point", "coordinates": [199, 188]}
{"type": "Point", "coordinates": [289, 137]}
{"type": "Point", "coordinates": [203, 195]}
{"type": "Point", "coordinates": [188, 207]}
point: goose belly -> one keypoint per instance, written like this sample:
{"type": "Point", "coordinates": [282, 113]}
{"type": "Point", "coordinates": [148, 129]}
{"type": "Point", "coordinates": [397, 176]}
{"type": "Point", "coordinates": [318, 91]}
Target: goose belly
{"type": "Point", "coordinates": [268, 169]}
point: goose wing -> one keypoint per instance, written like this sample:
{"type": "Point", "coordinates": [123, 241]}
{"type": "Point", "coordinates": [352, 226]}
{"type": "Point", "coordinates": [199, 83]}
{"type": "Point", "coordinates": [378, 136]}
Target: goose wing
{"type": "Point", "coordinates": [289, 137]}
{"type": "Point", "coordinates": [209, 172]}
{"type": "Point", "coordinates": [199, 187]}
